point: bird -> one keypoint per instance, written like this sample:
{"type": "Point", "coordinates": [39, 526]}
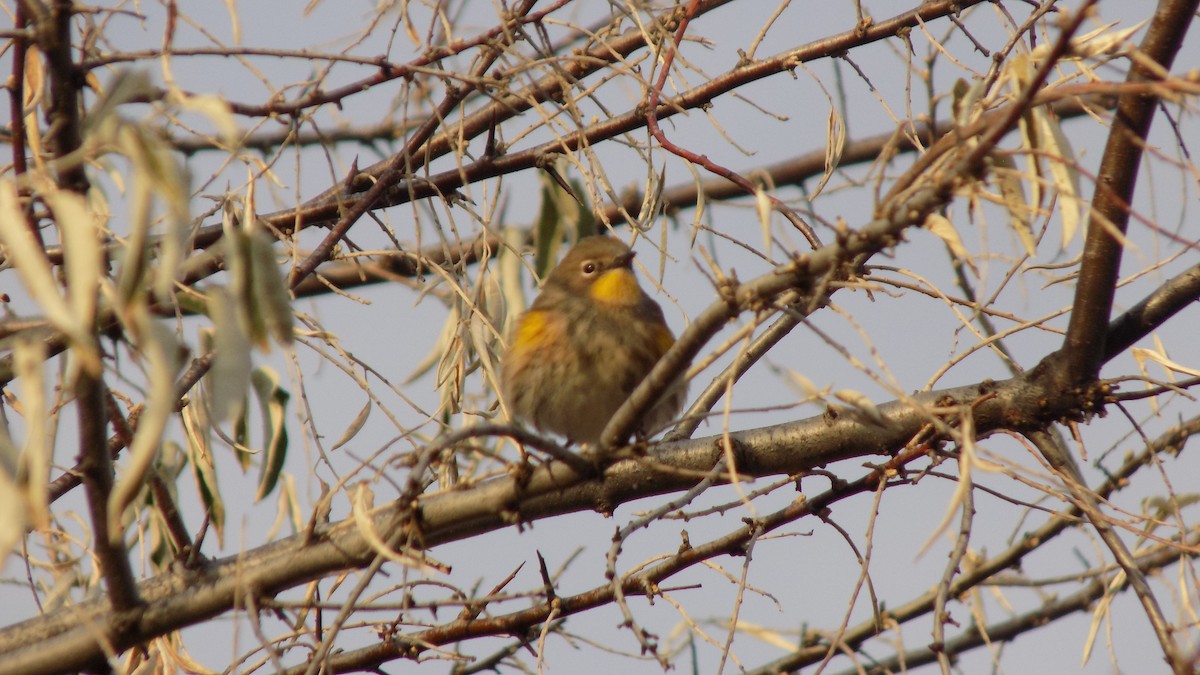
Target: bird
{"type": "Point", "coordinates": [587, 341]}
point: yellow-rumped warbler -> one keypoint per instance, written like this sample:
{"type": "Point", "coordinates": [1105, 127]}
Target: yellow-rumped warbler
{"type": "Point", "coordinates": [591, 336]}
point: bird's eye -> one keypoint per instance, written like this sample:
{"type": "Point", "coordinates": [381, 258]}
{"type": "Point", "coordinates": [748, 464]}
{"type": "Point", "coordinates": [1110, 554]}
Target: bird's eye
{"type": "Point", "coordinates": [589, 268]}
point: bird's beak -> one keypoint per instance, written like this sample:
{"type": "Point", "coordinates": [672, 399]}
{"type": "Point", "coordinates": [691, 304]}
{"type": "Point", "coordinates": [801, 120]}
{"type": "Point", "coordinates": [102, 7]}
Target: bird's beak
{"type": "Point", "coordinates": [624, 260]}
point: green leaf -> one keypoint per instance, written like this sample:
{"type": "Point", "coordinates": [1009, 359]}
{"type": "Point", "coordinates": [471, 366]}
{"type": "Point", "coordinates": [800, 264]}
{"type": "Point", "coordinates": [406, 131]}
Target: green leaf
{"type": "Point", "coordinates": [1063, 174]}
{"type": "Point", "coordinates": [161, 350]}
{"type": "Point", "coordinates": [1012, 192]}
{"type": "Point", "coordinates": [271, 295]}
{"type": "Point", "coordinates": [229, 376]}
{"type": "Point", "coordinates": [548, 229]}
{"type": "Point", "coordinates": [35, 272]}
{"type": "Point", "coordinates": [272, 401]}
{"type": "Point", "coordinates": [199, 451]}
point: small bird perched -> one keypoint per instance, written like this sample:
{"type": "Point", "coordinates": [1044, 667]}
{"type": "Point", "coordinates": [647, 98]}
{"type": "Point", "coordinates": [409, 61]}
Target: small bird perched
{"type": "Point", "coordinates": [591, 336]}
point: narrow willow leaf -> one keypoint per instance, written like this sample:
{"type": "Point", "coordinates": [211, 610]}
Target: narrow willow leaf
{"type": "Point", "coordinates": [135, 255]}
{"type": "Point", "coordinates": [803, 386]}
{"type": "Point", "coordinates": [441, 346]}
{"type": "Point", "coordinates": [1062, 173]}
{"type": "Point", "coordinates": [1159, 510]}
{"type": "Point", "coordinates": [1098, 42]}
{"type": "Point", "coordinates": [176, 657]}
{"type": "Point", "coordinates": [945, 230]}
{"type": "Point", "coordinates": [239, 264]}
{"type": "Point", "coordinates": [835, 144]}
{"type": "Point", "coordinates": [127, 85]}
{"type": "Point", "coordinates": [356, 426]}
{"type": "Point", "coordinates": [1018, 73]}
{"type": "Point", "coordinates": [156, 174]}
{"type": "Point", "coordinates": [33, 469]}
{"type": "Point", "coordinates": [484, 323]}
{"type": "Point", "coordinates": [862, 407]}
{"type": "Point", "coordinates": [35, 98]}
{"type": "Point", "coordinates": [12, 512]}
{"type": "Point", "coordinates": [168, 466]}
{"type": "Point", "coordinates": [241, 436]}
{"type": "Point", "coordinates": [229, 378]}
{"type": "Point", "coordinates": [1030, 146]}
{"type": "Point", "coordinates": [10, 456]}
{"type": "Point", "coordinates": [762, 207]}
{"type": "Point", "coordinates": [213, 107]}
{"type": "Point", "coordinates": [576, 215]}
{"type": "Point", "coordinates": [652, 201]}
{"type": "Point", "coordinates": [770, 636]}
{"type": "Point", "coordinates": [83, 258]}
{"type": "Point", "coordinates": [1012, 191]}
{"type": "Point", "coordinates": [966, 103]}
{"type": "Point", "coordinates": [34, 268]}
{"type": "Point", "coordinates": [272, 401]}
{"type": "Point", "coordinates": [161, 351]}
{"type": "Point", "coordinates": [452, 362]}
{"type": "Point", "coordinates": [1101, 614]}
{"type": "Point", "coordinates": [1143, 355]}
{"type": "Point", "coordinates": [204, 470]}
{"type": "Point", "coordinates": [84, 263]}
{"type": "Point", "coordinates": [272, 296]}
{"type": "Point", "coordinates": [289, 509]}
{"type": "Point", "coordinates": [158, 171]}
{"type": "Point", "coordinates": [361, 506]}
{"type": "Point", "coordinates": [548, 228]}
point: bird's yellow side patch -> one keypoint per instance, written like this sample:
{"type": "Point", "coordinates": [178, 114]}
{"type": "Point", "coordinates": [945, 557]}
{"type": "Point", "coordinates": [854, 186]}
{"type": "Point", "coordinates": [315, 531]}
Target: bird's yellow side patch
{"type": "Point", "coordinates": [535, 330]}
{"type": "Point", "coordinates": [617, 287]}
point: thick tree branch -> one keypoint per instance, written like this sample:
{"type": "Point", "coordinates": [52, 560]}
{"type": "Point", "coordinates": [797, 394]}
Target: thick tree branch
{"type": "Point", "coordinates": [1083, 348]}
{"type": "Point", "coordinates": [96, 470]}
{"type": "Point", "coordinates": [183, 598]}
{"type": "Point", "coordinates": [463, 484]}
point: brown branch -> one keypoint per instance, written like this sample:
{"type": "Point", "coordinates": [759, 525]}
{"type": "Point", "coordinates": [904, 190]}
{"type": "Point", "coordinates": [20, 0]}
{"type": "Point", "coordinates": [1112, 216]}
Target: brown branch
{"type": "Point", "coordinates": [179, 598]}
{"type": "Point", "coordinates": [328, 206]}
{"type": "Point", "coordinates": [387, 71]}
{"type": "Point", "coordinates": [350, 274]}
{"type": "Point", "coordinates": [401, 164]}
{"type": "Point", "coordinates": [702, 160]}
{"type": "Point", "coordinates": [1152, 312]}
{"type": "Point", "coordinates": [1056, 524]}
{"type": "Point", "coordinates": [56, 641]}
{"type": "Point", "coordinates": [1083, 348]}
{"type": "Point", "coordinates": [820, 269]}
{"type": "Point", "coordinates": [96, 469]}
{"type": "Point", "coordinates": [16, 99]}
{"type": "Point", "coordinates": [546, 495]}
{"type": "Point", "coordinates": [641, 583]}
{"type": "Point", "coordinates": [1055, 451]}
{"type": "Point", "coordinates": [347, 274]}
{"type": "Point", "coordinates": [333, 204]}
{"type": "Point", "coordinates": [72, 478]}
{"type": "Point", "coordinates": [733, 543]}
{"type": "Point", "coordinates": [1007, 631]}
{"type": "Point", "coordinates": [65, 134]}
